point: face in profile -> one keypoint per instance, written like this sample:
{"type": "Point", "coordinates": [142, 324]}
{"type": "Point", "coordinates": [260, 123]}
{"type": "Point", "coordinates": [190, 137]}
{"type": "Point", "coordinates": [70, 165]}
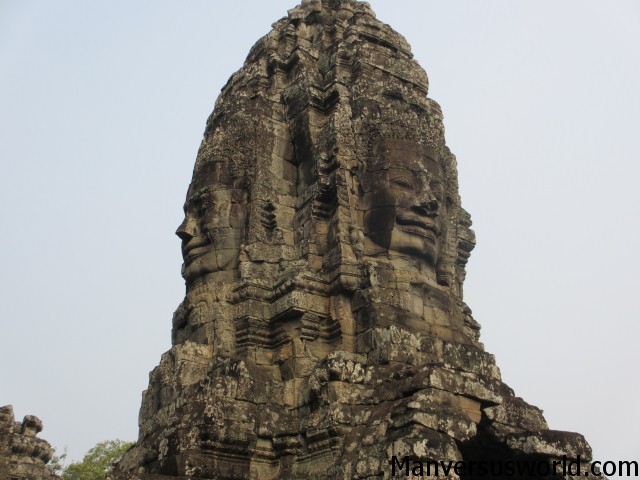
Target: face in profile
{"type": "Point", "coordinates": [212, 231]}
{"type": "Point", "coordinates": [403, 201]}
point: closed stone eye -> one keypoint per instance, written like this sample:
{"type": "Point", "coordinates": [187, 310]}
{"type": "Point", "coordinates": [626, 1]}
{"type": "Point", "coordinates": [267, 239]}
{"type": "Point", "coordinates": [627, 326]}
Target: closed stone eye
{"type": "Point", "coordinates": [402, 182]}
{"type": "Point", "coordinates": [205, 206]}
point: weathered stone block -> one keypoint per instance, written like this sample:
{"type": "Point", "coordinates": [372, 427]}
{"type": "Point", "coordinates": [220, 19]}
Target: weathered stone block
{"type": "Point", "coordinates": [22, 453]}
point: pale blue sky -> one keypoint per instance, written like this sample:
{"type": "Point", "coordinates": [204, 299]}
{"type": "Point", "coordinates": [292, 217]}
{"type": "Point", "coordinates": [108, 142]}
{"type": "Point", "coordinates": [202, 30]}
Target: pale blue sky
{"type": "Point", "coordinates": [102, 108]}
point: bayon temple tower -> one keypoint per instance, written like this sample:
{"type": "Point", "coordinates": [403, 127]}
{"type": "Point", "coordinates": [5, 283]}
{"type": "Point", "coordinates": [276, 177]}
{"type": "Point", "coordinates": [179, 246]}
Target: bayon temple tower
{"type": "Point", "coordinates": [324, 331]}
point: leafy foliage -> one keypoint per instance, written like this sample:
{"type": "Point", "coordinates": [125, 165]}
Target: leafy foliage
{"type": "Point", "coordinates": [97, 461]}
{"type": "Point", "coordinates": [57, 462]}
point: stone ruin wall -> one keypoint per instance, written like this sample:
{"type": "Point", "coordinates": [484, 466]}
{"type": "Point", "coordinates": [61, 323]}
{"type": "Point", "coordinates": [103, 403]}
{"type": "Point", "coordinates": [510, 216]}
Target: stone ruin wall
{"type": "Point", "coordinates": [23, 456]}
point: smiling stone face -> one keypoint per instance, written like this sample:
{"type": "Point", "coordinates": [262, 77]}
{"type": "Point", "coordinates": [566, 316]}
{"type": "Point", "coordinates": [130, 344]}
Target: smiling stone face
{"type": "Point", "coordinates": [403, 200]}
{"type": "Point", "coordinates": [213, 228]}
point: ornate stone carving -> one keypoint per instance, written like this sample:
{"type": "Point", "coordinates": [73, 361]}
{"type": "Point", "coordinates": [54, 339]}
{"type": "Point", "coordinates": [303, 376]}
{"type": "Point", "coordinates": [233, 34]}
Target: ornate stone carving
{"type": "Point", "coordinates": [323, 329]}
{"type": "Point", "coordinates": [22, 454]}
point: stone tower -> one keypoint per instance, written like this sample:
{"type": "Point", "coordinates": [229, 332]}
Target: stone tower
{"type": "Point", "coordinates": [323, 332]}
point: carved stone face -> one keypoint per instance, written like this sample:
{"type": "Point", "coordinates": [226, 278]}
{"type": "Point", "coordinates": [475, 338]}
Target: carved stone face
{"type": "Point", "coordinates": [403, 201]}
{"type": "Point", "coordinates": [212, 231]}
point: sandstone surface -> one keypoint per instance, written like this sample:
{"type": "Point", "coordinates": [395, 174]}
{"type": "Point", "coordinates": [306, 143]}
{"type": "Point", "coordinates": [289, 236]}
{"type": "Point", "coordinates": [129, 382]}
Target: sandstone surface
{"type": "Point", "coordinates": [324, 331]}
{"type": "Point", "coordinates": [22, 454]}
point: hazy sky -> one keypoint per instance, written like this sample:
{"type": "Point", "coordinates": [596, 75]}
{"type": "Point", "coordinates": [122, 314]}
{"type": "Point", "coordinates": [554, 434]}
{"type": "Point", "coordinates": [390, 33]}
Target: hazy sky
{"type": "Point", "coordinates": [102, 108]}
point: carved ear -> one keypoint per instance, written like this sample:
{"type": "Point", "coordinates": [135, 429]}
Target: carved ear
{"type": "Point", "coordinates": [355, 184]}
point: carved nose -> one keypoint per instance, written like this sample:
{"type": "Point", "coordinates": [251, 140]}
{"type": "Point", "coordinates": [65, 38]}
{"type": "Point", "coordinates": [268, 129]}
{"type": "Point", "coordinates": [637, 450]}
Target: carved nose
{"type": "Point", "coordinates": [186, 231]}
{"type": "Point", "coordinates": [426, 204]}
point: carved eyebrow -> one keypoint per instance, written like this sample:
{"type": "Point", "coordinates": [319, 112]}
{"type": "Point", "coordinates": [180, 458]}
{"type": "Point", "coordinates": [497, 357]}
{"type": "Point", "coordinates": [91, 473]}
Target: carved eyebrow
{"type": "Point", "coordinates": [198, 195]}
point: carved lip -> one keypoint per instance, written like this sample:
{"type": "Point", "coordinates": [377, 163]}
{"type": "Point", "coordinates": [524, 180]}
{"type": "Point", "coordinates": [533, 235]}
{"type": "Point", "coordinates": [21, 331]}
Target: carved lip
{"type": "Point", "coordinates": [419, 225]}
{"type": "Point", "coordinates": [195, 248]}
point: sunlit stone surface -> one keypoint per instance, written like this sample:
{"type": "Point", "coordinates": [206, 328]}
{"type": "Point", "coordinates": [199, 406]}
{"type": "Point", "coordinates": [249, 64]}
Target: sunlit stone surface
{"type": "Point", "coordinates": [323, 329]}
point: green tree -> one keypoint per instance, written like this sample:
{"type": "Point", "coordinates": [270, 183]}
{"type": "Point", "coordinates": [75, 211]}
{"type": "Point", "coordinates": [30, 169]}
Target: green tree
{"type": "Point", "coordinates": [57, 462]}
{"type": "Point", "coordinates": [96, 461]}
